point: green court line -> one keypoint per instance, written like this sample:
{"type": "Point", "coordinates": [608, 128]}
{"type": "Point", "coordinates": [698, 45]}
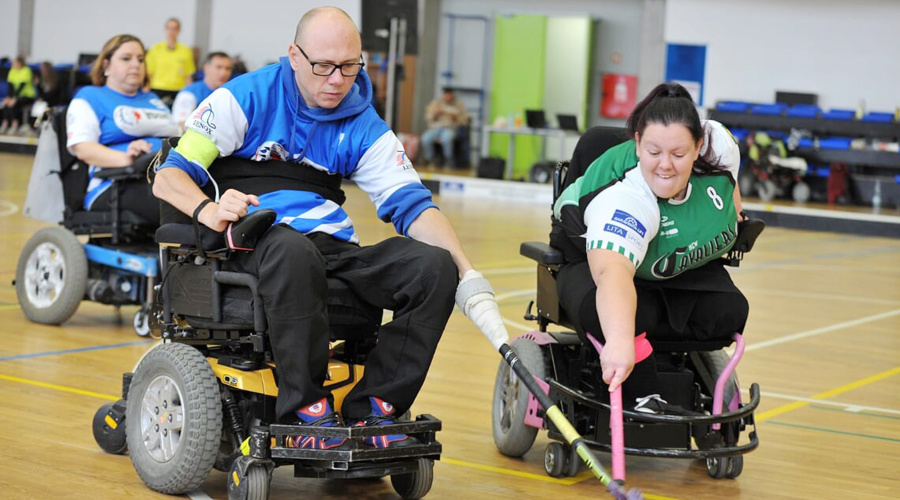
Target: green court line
{"type": "Point", "coordinates": [833, 431]}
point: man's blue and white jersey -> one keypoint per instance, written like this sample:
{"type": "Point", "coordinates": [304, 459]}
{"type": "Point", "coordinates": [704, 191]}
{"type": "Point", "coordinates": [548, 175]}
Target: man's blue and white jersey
{"type": "Point", "coordinates": [102, 115]}
{"type": "Point", "coordinates": [262, 116]}
{"type": "Point", "coordinates": [187, 99]}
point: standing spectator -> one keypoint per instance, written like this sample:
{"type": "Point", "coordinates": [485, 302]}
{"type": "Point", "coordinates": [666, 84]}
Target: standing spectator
{"type": "Point", "coordinates": [216, 71]}
{"type": "Point", "coordinates": [170, 64]}
{"type": "Point", "coordinates": [444, 116]}
{"type": "Point", "coordinates": [18, 102]}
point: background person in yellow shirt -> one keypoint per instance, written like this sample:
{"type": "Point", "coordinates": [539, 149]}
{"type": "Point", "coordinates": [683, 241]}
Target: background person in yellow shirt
{"type": "Point", "coordinates": [18, 100]}
{"type": "Point", "coordinates": [170, 64]}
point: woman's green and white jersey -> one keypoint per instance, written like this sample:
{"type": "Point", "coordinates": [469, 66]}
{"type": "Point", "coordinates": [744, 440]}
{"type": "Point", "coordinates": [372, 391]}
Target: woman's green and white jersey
{"type": "Point", "coordinates": [611, 207]}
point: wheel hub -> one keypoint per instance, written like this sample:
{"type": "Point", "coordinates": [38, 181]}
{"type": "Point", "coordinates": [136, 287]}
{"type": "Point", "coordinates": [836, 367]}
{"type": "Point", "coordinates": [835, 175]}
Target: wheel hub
{"type": "Point", "coordinates": [162, 418]}
{"type": "Point", "coordinates": [45, 275]}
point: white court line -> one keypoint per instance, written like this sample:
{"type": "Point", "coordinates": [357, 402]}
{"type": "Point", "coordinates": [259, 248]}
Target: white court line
{"type": "Point", "coordinates": [198, 495]}
{"type": "Point", "coordinates": [826, 329]}
{"type": "Point", "coordinates": [8, 208]}
{"type": "Point", "coordinates": [847, 406]}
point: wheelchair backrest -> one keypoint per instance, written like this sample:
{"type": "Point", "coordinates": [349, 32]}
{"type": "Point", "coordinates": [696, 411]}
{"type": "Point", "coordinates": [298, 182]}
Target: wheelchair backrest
{"type": "Point", "coordinates": [593, 143]}
{"type": "Point", "coordinates": [74, 174]}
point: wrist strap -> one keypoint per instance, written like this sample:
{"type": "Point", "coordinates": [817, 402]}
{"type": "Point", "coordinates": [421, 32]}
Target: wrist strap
{"type": "Point", "coordinates": [196, 221]}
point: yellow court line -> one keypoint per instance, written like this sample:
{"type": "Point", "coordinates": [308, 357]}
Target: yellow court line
{"type": "Point", "coordinates": [9, 307]}
{"type": "Point", "coordinates": [59, 388]}
{"type": "Point", "coordinates": [827, 394]}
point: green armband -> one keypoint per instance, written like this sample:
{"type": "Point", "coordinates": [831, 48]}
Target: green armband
{"type": "Point", "coordinates": [197, 148]}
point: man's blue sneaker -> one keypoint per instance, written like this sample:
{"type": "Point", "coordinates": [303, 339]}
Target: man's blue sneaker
{"type": "Point", "coordinates": [318, 414]}
{"type": "Point", "coordinates": [383, 414]}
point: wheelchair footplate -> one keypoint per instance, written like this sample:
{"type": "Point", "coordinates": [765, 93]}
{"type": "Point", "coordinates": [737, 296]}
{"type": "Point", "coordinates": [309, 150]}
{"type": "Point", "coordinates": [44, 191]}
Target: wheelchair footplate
{"type": "Point", "coordinates": [359, 460]}
{"type": "Point", "coordinates": [660, 435]}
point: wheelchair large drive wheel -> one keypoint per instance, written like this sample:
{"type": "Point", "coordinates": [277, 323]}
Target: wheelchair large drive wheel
{"type": "Point", "coordinates": [415, 485]}
{"type": "Point", "coordinates": [174, 418]}
{"type": "Point", "coordinates": [711, 364]}
{"type": "Point", "coordinates": [511, 436]}
{"type": "Point", "coordinates": [51, 276]}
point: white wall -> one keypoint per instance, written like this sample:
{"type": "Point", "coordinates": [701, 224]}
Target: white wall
{"type": "Point", "coordinates": [9, 28]}
{"type": "Point", "coordinates": [261, 31]}
{"type": "Point", "coordinates": [63, 28]}
{"type": "Point", "coordinates": [843, 51]}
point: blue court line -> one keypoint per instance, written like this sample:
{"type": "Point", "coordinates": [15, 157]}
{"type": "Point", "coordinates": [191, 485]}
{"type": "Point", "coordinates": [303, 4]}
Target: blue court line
{"type": "Point", "coordinates": [82, 349]}
{"type": "Point", "coordinates": [834, 431]}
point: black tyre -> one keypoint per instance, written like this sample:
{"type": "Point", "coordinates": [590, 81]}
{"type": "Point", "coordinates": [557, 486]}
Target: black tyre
{"type": "Point", "coordinates": [717, 467]}
{"type": "Point", "coordinates": [511, 436]}
{"type": "Point", "coordinates": [711, 364]}
{"type": "Point", "coordinates": [248, 481]}
{"type": "Point", "coordinates": [415, 485]}
{"type": "Point", "coordinates": [51, 276]}
{"type": "Point", "coordinates": [141, 322]}
{"type": "Point", "coordinates": [556, 458]}
{"type": "Point", "coordinates": [175, 418]}
{"type": "Point", "coordinates": [735, 467]}
{"type": "Point", "coordinates": [541, 172]}
{"type": "Point", "coordinates": [109, 427]}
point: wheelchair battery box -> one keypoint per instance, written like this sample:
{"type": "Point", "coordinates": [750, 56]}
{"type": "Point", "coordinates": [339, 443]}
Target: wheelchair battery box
{"type": "Point", "coordinates": [190, 289]}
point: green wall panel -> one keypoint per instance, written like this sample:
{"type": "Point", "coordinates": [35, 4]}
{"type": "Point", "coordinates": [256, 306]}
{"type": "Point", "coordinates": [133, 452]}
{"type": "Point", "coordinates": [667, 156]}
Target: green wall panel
{"type": "Point", "coordinates": [518, 83]}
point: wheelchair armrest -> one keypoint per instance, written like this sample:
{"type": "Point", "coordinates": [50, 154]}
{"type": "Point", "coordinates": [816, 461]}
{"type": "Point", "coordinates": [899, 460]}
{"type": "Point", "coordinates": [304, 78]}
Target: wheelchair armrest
{"type": "Point", "coordinates": [136, 170]}
{"type": "Point", "coordinates": [175, 234]}
{"type": "Point", "coordinates": [541, 252]}
{"type": "Point", "coordinates": [243, 234]}
{"type": "Point", "coordinates": [748, 231]}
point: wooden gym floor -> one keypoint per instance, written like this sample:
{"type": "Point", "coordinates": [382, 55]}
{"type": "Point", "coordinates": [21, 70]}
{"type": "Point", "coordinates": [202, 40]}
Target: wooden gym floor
{"type": "Point", "coordinates": [823, 344]}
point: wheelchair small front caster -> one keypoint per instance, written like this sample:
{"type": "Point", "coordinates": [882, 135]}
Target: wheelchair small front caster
{"type": "Point", "coordinates": [556, 457]}
{"type": "Point", "coordinates": [109, 427]}
{"type": "Point", "coordinates": [248, 480]}
{"type": "Point", "coordinates": [141, 322]}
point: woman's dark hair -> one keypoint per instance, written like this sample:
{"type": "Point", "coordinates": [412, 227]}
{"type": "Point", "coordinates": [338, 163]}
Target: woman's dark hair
{"type": "Point", "coordinates": [98, 70]}
{"type": "Point", "coordinates": [670, 103]}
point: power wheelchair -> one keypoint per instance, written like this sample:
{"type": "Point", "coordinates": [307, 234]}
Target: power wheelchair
{"type": "Point", "coordinates": [696, 375]}
{"type": "Point", "coordinates": [205, 397]}
{"type": "Point", "coordinates": [117, 264]}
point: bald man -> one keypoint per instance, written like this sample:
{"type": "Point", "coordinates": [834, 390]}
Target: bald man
{"type": "Point", "coordinates": [310, 118]}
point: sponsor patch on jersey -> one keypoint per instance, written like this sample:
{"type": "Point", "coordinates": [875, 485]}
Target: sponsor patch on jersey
{"type": "Point", "coordinates": [403, 161]}
{"type": "Point", "coordinates": [204, 119]}
{"type": "Point", "coordinates": [637, 242]}
{"type": "Point", "coordinates": [629, 221]}
{"type": "Point", "coordinates": [270, 150]}
{"type": "Point", "coordinates": [612, 228]}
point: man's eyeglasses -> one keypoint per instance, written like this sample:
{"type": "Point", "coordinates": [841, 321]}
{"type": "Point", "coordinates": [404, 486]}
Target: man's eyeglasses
{"type": "Point", "coordinates": [327, 69]}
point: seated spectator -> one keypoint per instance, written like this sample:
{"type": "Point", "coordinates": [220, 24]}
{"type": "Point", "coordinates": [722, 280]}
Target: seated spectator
{"type": "Point", "coordinates": [216, 71]}
{"type": "Point", "coordinates": [17, 103]}
{"type": "Point", "coordinates": [444, 116]}
{"type": "Point", "coordinates": [114, 121]}
{"type": "Point", "coordinates": [50, 89]}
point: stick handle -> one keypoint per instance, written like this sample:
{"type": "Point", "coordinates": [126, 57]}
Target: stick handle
{"type": "Point", "coordinates": [556, 416]}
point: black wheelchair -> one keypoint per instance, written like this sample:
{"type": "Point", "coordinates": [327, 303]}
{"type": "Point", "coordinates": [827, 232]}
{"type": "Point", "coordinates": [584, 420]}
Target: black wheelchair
{"type": "Point", "coordinates": [117, 264]}
{"type": "Point", "coordinates": [696, 375]}
{"type": "Point", "coordinates": [205, 397]}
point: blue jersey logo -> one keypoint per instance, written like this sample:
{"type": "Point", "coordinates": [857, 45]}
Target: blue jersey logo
{"type": "Point", "coordinates": [629, 221]}
{"type": "Point", "coordinates": [612, 228]}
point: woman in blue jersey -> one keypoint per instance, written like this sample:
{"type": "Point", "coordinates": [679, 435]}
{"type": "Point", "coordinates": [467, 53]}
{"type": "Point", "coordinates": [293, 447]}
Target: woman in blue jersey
{"type": "Point", "coordinates": [114, 121]}
{"type": "Point", "coordinates": [642, 231]}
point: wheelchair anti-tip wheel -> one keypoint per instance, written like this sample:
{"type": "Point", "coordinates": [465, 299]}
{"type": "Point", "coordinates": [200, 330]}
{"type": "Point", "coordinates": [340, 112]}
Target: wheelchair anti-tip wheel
{"type": "Point", "coordinates": [51, 276]}
{"type": "Point", "coordinates": [174, 418]}
{"type": "Point", "coordinates": [248, 481]}
{"type": "Point", "coordinates": [556, 458]}
{"type": "Point", "coordinates": [512, 437]}
{"type": "Point", "coordinates": [109, 427]}
{"type": "Point", "coordinates": [141, 322]}
{"type": "Point", "coordinates": [415, 485]}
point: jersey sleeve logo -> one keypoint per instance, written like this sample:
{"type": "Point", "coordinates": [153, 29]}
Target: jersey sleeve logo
{"type": "Point", "coordinates": [204, 119]}
{"type": "Point", "coordinates": [629, 221]}
{"type": "Point", "coordinates": [612, 228]}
